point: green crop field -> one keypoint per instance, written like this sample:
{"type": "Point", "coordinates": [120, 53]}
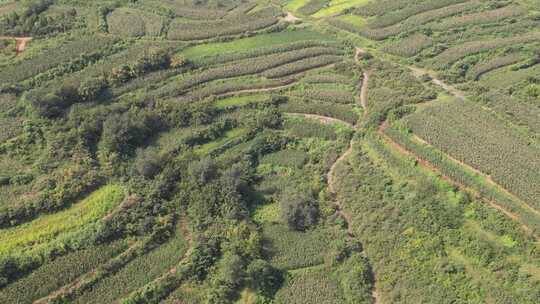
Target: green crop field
{"type": "Point", "coordinates": [269, 151]}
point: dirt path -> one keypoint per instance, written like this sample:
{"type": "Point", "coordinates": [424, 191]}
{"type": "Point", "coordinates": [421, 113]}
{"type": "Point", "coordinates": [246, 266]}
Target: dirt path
{"type": "Point", "coordinates": [365, 81]}
{"type": "Point", "coordinates": [322, 119]}
{"type": "Point", "coordinates": [290, 18]}
{"type": "Point", "coordinates": [20, 42]}
{"type": "Point", "coordinates": [427, 165]}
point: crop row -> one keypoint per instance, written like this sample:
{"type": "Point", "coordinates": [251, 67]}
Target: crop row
{"type": "Point", "coordinates": [53, 57]}
{"type": "Point", "coordinates": [301, 66]}
{"type": "Point", "coordinates": [478, 18]}
{"type": "Point", "coordinates": [394, 17]}
{"type": "Point", "coordinates": [215, 89]}
{"type": "Point", "coordinates": [306, 127]}
{"type": "Point", "coordinates": [196, 13]}
{"type": "Point", "coordinates": [311, 286]}
{"type": "Point", "coordinates": [241, 68]}
{"type": "Point", "coordinates": [59, 272]}
{"type": "Point", "coordinates": [338, 111]}
{"type": "Point", "coordinates": [493, 64]}
{"type": "Point", "coordinates": [312, 7]}
{"type": "Point", "coordinates": [138, 272]}
{"type": "Point", "coordinates": [334, 96]}
{"type": "Point", "coordinates": [326, 78]}
{"type": "Point", "coordinates": [190, 31]}
{"type": "Point", "coordinates": [292, 249]}
{"type": "Point", "coordinates": [258, 52]}
{"type": "Point", "coordinates": [412, 23]}
{"type": "Point", "coordinates": [134, 23]}
{"type": "Point", "coordinates": [469, 48]}
{"type": "Point", "coordinates": [286, 158]}
{"type": "Point", "coordinates": [459, 174]}
{"type": "Point", "coordinates": [482, 141]}
{"type": "Point", "coordinates": [241, 10]}
{"type": "Point", "coordinates": [409, 46]}
{"type": "Point", "coordinates": [381, 7]}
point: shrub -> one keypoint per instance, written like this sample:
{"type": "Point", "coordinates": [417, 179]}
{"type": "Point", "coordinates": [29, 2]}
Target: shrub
{"type": "Point", "coordinates": [299, 211]}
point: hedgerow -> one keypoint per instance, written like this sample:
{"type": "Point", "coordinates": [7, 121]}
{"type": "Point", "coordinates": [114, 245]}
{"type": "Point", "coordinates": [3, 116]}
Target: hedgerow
{"type": "Point", "coordinates": [301, 66]}
{"type": "Point", "coordinates": [469, 48]}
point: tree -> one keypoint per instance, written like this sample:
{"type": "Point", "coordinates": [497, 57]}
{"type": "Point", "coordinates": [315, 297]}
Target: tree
{"type": "Point", "coordinates": [91, 88]}
{"type": "Point", "coordinates": [299, 211]}
{"type": "Point", "coordinates": [147, 162]}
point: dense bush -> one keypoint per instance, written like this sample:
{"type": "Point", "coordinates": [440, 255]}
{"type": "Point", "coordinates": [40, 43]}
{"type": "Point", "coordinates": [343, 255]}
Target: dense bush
{"type": "Point", "coordinates": [299, 211]}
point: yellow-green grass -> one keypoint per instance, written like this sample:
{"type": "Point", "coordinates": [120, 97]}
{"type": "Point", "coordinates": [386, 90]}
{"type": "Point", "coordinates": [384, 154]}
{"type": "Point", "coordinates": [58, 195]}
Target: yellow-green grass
{"type": "Point", "coordinates": [229, 135]}
{"type": "Point", "coordinates": [268, 213]}
{"type": "Point", "coordinates": [238, 101]}
{"type": "Point", "coordinates": [353, 19]}
{"type": "Point", "coordinates": [39, 232]}
{"type": "Point", "coordinates": [294, 5]}
{"type": "Point", "coordinates": [266, 40]}
{"type": "Point", "coordinates": [337, 6]}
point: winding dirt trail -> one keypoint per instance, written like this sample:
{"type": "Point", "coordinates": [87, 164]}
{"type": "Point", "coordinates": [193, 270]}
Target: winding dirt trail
{"type": "Point", "coordinates": [322, 119]}
{"type": "Point", "coordinates": [290, 18]}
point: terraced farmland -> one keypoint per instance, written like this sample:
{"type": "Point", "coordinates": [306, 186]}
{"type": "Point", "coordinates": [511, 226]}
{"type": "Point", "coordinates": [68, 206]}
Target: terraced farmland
{"type": "Point", "coordinates": [282, 151]}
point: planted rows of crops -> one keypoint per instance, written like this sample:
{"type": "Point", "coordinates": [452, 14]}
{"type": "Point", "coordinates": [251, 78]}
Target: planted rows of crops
{"type": "Point", "coordinates": [493, 151]}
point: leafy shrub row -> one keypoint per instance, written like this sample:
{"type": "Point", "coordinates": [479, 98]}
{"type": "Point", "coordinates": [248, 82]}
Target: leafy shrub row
{"type": "Point", "coordinates": [198, 31]}
{"type": "Point", "coordinates": [301, 66]}
{"type": "Point", "coordinates": [53, 57]}
{"type": "Point", "coordinates": [412, 23]}
{"type": "Point", "coordinates": [493, 64]}
{"type": "Point", "coordinates": [455, 53]}
{"type": "Point", "coordinates": [478, 18]}
{"type": "Point", "coordinates": [241, 68]}
{"type": "Point", "coordinates": [394, 17]}
{"type": "Point", "coordinates": [409, 46]}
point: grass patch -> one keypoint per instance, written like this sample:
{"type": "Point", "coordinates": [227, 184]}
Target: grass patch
{"type": "Point", "coordinates": [44, 229]}
{"type": "Point", "coordinates": [266, 40]}
{"type": "Point", "coordinates": [229, 135]}
{"type": "Point", "coordinates": [238, 101]}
